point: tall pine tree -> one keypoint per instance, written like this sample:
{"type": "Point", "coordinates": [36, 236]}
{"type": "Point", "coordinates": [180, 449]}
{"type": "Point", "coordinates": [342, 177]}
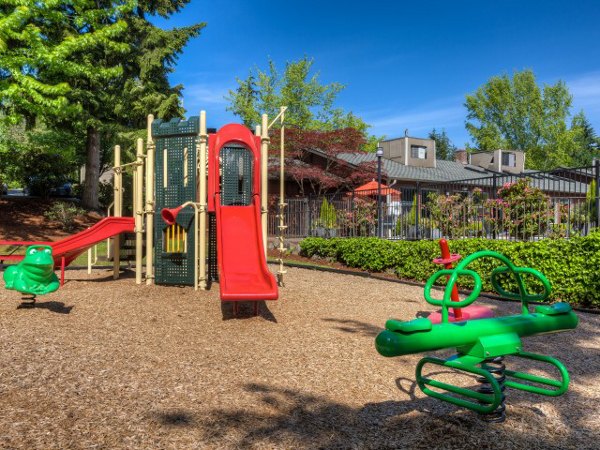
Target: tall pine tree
{"type": "Point", "coordinates": [93, 65]}
{"type": "Point", "coordinates": [588, 144]}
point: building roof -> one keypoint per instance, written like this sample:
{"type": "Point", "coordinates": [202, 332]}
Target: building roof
{"type": "Point", "coordinates": [445, 170]}
{"type": "Point", "coordinates": [471, 175]}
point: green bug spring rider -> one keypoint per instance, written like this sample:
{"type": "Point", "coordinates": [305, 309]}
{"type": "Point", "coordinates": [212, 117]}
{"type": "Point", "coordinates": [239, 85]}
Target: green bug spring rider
{"type": "Point", "coordinates": [34, 275]}
{"type": "Point", "coordinates": [482, 344]}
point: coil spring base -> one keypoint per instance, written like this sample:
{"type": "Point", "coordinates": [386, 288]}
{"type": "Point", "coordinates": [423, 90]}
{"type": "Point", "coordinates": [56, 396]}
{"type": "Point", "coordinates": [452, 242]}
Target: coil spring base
{"type": "Point", "coordinates": [29, 300]}
{"type": "Point", "coordinates": [496, 367]}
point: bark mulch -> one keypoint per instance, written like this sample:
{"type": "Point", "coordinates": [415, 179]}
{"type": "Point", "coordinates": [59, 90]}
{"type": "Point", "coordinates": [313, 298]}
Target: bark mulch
{"type": "Point", "coordinates": [108, 364]}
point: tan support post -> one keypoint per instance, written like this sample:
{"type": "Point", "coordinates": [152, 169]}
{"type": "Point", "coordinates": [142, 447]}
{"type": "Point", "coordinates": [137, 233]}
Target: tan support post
{"type": "Point", "coordinates": [150, 204]}
{"type": "Point", "coordinates": [139, 210]}
{"type": "Point", "coordinates": [202, 200]}
{"type": "Point", "coordinates": [118, 211]}
{"type": "Point", "coordinates": [282, 203]}
{"type": "Point", "coordinates": [264, 160]}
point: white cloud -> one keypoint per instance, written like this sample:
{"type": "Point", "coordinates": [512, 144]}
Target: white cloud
{"type": "Point", "coordinates": [418, 120]}
{"type": "Point", "coordinates": [586, 92]}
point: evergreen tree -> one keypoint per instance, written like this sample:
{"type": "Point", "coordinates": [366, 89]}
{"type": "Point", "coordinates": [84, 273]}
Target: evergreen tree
{"type": "Point", "coordinates": [39, 47]}
{"type": "Point", "coordinates": [444, 148]}
{"type": "Point", "coordinates": [95, 66]}
{"type": "Point", "coordinates": [588, 144]}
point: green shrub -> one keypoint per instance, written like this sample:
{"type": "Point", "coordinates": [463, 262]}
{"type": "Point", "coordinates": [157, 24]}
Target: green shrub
{"type": "Point", "coordinates": [64, 213]}
{"type": "Point", "coordinates": [327, 215]}
{"type": "Point", "coordinates": [571, 265]}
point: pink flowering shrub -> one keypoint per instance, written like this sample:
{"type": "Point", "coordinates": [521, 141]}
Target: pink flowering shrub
{"type": "Point", "coordinates": [457, 215]}
{"type": "Point", "coordinates": [361, 220]}
{"type": "Point", "coordinates": [521, 210]}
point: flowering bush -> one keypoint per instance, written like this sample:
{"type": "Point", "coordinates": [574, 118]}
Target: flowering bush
{"type": "Point", "coordinates": [457, 215]}
{"type": "Point", "coordinates": [521, 210]}
{"type": "Point", "coordinates": [360, 221]}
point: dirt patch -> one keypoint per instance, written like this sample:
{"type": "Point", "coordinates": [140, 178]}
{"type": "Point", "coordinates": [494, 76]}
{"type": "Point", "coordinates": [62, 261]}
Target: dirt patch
{"type": "Point", "coordinates": [108, 364]}
{"type": "Point", "coordinates": [22, 219]}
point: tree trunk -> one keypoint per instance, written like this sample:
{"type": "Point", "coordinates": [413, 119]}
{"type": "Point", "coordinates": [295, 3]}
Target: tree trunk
{"type": "Point", "coordinates": [89, 198]}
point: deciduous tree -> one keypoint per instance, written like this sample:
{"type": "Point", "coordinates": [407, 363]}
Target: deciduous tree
{"type": "Point", "coordinates": [310, 103]}
{"type": "Point", "coordinates": [326, 172]}
{"type": "Point", "coordinates": [515, 113]}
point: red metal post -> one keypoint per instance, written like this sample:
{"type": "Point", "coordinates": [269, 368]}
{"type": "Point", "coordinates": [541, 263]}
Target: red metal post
{"type": "Point", "coordinates": [448, 260]}
{"type": "Point", "coordinates": [62, 271]}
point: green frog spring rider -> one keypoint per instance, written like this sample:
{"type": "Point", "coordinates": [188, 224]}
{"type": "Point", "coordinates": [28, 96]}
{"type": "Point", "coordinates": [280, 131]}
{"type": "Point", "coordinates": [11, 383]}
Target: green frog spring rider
{"type": "Point", "coordinates": [34, 275]}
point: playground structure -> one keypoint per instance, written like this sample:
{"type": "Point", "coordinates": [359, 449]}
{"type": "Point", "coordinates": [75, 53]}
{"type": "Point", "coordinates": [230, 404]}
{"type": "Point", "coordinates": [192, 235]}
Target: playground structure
{"type": "Point", "coordinates": [223, 177]}
{"type": "Point", "coordinates": [482, 344]}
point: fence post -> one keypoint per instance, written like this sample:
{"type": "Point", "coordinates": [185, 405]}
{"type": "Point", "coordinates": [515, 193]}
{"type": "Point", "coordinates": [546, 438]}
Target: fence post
{"type": "Point", "coordinates": [597, 193]}
{"type": "Point", "coordinates": [308, 216]}
{"type": "Point", "coordinates": [496, 212]}
{"type": "Point", "coordinates": [352, 216]}
{"type": "Point", "coordinates": [418, 210]}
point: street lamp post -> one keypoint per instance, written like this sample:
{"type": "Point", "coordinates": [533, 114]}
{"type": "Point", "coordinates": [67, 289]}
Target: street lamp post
{"type": "Point", "coordinates": [379, 212]}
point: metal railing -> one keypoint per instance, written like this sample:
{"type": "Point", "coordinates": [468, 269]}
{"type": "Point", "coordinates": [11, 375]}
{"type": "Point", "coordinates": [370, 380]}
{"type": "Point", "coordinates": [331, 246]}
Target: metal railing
{"type": "Point", "coordinates": [528, 206]}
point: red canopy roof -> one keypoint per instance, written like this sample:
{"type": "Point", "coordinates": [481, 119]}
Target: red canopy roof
{"type": "Point", "coordinates": [371, 188]}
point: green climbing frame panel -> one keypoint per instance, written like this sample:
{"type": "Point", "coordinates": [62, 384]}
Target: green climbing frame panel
{"type": "Point", "coordinates": [175, 143]}
{"type": "Point", "coordinates": [236, 176]}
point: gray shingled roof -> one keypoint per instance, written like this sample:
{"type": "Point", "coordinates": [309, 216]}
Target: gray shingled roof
{"type": "Point", "coordinates": [544, 181]}
{"type": "Point", "coordinates": [445, 170]}
{"type": "Point", "coordinates": [450, 171]}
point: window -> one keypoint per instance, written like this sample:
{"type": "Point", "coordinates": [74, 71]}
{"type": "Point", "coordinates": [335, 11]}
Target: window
{"type": "Point", "coordinates": [418, 152]}
{"type": "Point", "coordinates": [509, 159]}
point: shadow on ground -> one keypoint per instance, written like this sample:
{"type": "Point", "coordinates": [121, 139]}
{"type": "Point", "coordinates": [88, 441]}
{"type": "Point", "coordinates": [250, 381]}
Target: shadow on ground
{"type": "Point", "coordinates": [55, 307]}
{"type": "Point", "coordinates": [285, 418]}
{"type": "Point", "coordinates": [354, 326]}
{"type": "Point", "coordinates": [246, 311]}
{"type": "Point", "coordinates": [125, 273]}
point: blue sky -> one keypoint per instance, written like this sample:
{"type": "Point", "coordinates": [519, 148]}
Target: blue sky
{"type": "Point", "coordinates": [404, 64]}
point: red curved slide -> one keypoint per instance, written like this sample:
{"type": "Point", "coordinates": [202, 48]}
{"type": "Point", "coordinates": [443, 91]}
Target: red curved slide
{"type": "Point", "coordinates": [243, 271]}
{"type": "Point", "coordinates": [71, 247]}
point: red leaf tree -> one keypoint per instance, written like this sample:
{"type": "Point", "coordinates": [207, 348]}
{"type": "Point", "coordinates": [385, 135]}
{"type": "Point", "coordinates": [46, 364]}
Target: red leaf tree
{"type": "Point", "coordinates": [312, 159]}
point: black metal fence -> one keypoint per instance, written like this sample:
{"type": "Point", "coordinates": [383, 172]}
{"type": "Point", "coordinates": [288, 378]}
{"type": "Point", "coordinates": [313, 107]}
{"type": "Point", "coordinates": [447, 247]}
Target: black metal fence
{"type": "Point", "coordinates": [527, 206]}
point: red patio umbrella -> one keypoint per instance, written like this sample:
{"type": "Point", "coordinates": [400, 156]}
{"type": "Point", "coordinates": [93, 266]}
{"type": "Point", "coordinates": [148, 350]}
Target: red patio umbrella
{"type": "Point", "coordinates": [371, 188]}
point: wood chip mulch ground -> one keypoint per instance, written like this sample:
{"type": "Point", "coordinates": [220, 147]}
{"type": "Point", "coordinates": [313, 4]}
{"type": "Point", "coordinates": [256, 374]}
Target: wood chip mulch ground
{"type": "Point", "coordinates": [107, 364]}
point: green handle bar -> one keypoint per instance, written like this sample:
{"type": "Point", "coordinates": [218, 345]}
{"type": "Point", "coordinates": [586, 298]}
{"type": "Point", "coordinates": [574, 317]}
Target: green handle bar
{"type": "Point", "coordinates": [485, 403]}
{"type": "Point", "coordinates": [461, 270]}
{"type": "Point", "coordinates": [560, 385]}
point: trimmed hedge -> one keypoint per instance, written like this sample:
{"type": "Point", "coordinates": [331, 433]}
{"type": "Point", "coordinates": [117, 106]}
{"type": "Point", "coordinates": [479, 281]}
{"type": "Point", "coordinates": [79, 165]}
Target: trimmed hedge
{"type": "Point", "coordinates": [572, 266]}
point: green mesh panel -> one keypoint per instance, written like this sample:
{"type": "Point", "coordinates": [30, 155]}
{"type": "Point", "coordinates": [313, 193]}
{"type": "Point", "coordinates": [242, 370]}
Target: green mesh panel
{"type": "Point", "coordinates": [236, 176]}
{"type": "Point", "coordinates": [175, 136]}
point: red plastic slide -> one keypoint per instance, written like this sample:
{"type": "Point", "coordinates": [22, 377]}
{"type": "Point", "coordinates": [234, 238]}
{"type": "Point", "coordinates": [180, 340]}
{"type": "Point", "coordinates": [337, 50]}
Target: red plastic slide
{"type": "Point", "coordinates": [243, 271]}
{"type": "Point", "coordinates": [69, 248]}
